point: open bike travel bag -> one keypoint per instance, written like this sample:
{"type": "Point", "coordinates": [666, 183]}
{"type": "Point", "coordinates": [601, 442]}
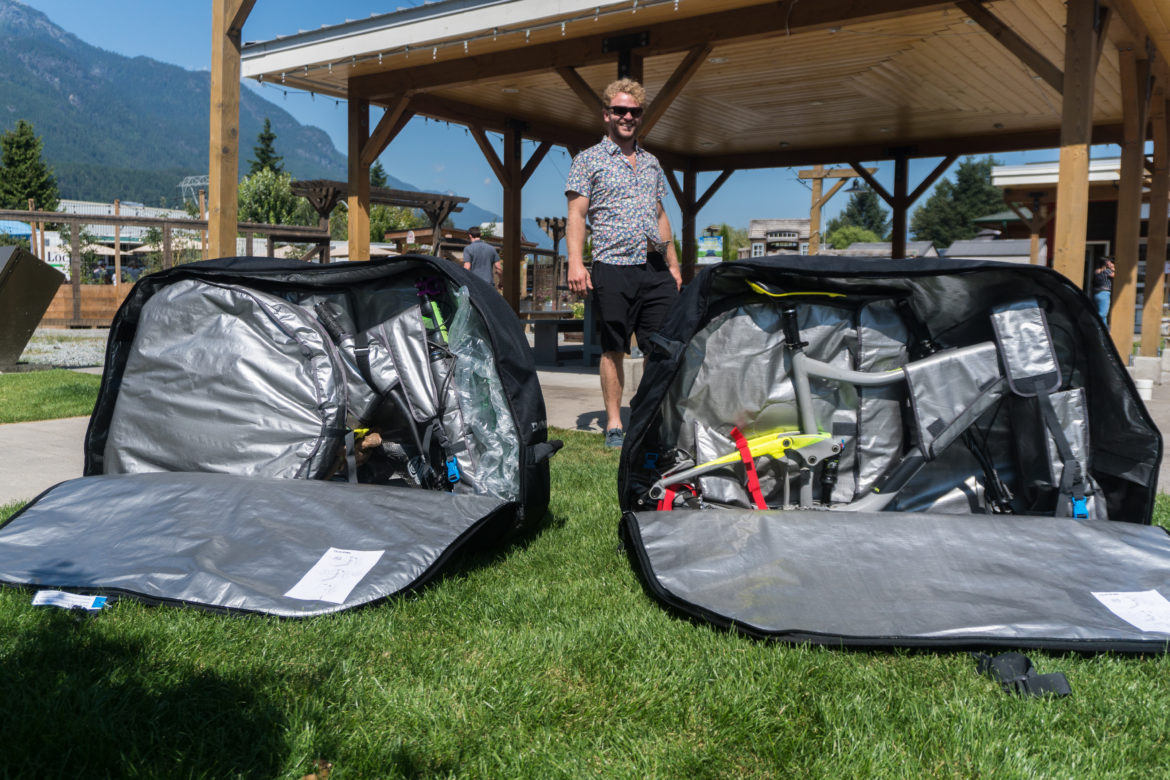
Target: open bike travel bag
{"type": "Point", "coordinates": [906, 453]}
{"type": "Point", "coordinates": [289, 438]}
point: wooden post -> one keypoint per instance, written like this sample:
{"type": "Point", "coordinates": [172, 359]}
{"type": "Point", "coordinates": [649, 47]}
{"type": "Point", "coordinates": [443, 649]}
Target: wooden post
{"type": "Point", "coordinates": [117, 244]}
{"type": "Point", "coordinates": [359, 180]}
{"type": "Point", "coordinates": [227, 22]}
{"type": "Point", "coordinates": [690, 213]}
{"type": "Point", "coordinates": [202, 233]}
{"type": "Point", "coordinates": [32, 239]}
{"type": "Point", "coordinates": [1076, 133]}
{"type": "Point", "coordinates": [818, 174]}
{"type": "Point", "coordinates": [513, 198]}
{"type": "Point", "coordinates": [167, 259]}
{"type": "Point", "coordinates": [901, 206]}
{"type": "Point", "coordinates": [75, 267]}
{"type": "Point", "coordinates": [814, 212]}
{"type": "Point", "coordinates": [1135, 108]}
{"type": "Point", "coordinates": [1156, 235]}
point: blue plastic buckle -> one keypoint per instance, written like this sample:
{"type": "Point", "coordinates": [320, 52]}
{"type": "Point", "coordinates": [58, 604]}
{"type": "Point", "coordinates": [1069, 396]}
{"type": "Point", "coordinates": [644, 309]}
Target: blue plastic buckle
{"type": "Point", "coordinates": [452, 470]}
{"type": "Point", "coordinates": [1080, 508]}
{"type": "Point", "coordinates": [651, 461]}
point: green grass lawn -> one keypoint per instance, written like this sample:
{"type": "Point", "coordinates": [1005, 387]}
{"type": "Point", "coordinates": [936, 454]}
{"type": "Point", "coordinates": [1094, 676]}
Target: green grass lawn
{"type": "Point", "coordinates": [542, 660]}
{"type": "Point", "coordinates": [46, 395]}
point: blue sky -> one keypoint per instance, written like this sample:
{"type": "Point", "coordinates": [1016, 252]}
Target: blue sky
{"type": "Point", "coordinates": [430, 156]}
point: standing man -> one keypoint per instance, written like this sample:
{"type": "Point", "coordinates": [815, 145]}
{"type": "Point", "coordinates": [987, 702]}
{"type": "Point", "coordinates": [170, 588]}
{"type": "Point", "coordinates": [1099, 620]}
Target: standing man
{"type": "Point", "coordinates": [1102, 285]}
{"type": "Point", "coordinates": [480, 257]}
{"type": "Point", "coordinates": [619, 187]}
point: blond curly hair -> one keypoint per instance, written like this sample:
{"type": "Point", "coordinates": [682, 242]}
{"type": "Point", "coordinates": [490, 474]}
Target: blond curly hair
{"type": "Point", "coordinates": [628, 86]}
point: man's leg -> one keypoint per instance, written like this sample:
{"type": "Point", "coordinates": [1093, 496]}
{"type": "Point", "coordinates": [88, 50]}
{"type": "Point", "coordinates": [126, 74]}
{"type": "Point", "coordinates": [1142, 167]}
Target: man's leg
{"type": "Point", "coordinates": [612, 369]}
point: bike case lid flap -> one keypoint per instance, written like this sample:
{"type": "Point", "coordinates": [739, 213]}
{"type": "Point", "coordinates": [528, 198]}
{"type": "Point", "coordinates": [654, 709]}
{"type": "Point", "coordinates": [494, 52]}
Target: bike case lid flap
{"type": "Point", "coordinates": [906, 579]}
{"type": "Point", "coordinates": [233, 543]}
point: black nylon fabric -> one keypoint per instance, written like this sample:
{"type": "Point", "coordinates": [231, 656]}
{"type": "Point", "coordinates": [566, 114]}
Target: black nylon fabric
{"type": "Point", "coordinates": [898, 578]}
{"type": "Point", "coordinates": [951, 297]}
{"type": "Point", "coordinates": [513, 356]}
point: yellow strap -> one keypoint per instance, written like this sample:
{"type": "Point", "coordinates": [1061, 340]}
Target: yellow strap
{"type": "Point", "coordinates": [757, 287]}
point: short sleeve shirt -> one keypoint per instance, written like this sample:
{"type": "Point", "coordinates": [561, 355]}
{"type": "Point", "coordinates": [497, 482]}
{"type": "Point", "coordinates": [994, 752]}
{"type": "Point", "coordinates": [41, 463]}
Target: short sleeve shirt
{"type": "Point", "coordinates": [482, 257]}
{"type": "Point", "coordinates": [623, 200]}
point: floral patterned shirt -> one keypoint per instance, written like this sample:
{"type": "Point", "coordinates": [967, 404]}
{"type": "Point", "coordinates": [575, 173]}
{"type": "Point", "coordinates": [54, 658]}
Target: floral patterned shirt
{"type": "Point", "coordinates": [623, 200]}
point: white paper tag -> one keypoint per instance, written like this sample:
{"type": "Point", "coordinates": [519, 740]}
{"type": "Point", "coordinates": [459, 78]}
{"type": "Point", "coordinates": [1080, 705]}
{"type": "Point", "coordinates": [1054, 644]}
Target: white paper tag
{"type": "Point", "coordinates": [335, 575]}
{"type": "Point", "coordinates": [59, 598]}
{"type": "Point", "coordinates": [1147, 609]}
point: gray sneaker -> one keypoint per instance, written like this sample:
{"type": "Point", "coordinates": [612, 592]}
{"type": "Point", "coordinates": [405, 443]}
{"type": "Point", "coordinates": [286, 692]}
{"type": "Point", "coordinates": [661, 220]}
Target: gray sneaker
{"type": "Point", "coordinates": [615, 437]}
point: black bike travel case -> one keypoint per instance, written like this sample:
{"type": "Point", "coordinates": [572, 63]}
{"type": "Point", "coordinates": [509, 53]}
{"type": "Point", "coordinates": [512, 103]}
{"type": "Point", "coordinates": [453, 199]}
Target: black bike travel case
{"type": "Point", "coordinates": [896, 453]}
{"type": "Point", "coordinates": [281, 437]}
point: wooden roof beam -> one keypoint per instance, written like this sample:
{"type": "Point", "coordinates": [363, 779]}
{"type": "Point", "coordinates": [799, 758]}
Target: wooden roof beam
{"type": "Point", "coordinates": [989, 144]}
{"type": "Point", "coordinates": [591, 99]}
{"type": "Point", "coordinates": [674, 85]}
{"type": "Point", "coordinates": [237, 12]}
{"type": "Point", "coordinates": [467, 114]}
{"type": "Point", "coordinates": [939, 170]}
{"type": "Point", "coordinates": [873, 183]}
{"type": "Point", "coordinates": [753, 22]}
{"type": "Point", "coordinates": [489, 152]}
{"type": "Point", "coordinates": [1011, 40]}
{"type": "Point", "coordinates": [389, 126]}
{"type": "Point", "coordinates": [534, 161]}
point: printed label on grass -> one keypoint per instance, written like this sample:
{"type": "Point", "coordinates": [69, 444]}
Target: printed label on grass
{"type": "Point", "coordinates": [335, 575]}
{"type": "Point", "coordinates": [59, 598]}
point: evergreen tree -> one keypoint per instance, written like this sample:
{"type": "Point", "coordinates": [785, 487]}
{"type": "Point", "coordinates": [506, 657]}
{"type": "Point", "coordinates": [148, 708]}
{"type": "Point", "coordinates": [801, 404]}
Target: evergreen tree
{"type": "Point", "coordinates": [266, 156]}
{"type": "Point", "coordinates": [946, 215]}
{"type": "Point", "coordinates": [266, 196]}
{"type": "Point", "coordinates": [25, 174]}
{"type": "Point", "coordinates": [377, 175]}
{"type": "Point", "coordinates": [865, 211]}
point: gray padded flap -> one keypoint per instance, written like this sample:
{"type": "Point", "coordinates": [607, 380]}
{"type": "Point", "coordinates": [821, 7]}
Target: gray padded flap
{"type": "Point", "coordinates": [400, 345]}
{"type": "Point", "coordinates": [230, 380]}
{"type": "Point", "coordinates": [907, 579]}
{"type": "Point", "coordinates": [950, 390]}
{"type": "Point", "coordinates": [1029, 360]}
{"type": "Point", "coordinates": [220, 541]}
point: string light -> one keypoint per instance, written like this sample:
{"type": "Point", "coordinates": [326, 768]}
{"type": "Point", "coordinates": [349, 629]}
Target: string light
{"type": "Point", "coordinates": [497, 31]}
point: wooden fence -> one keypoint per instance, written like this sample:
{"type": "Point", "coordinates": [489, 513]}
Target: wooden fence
{"type": "Point", "coordinates": [98, 304]}
{"type": "Point", "coordinates": [78, 305]}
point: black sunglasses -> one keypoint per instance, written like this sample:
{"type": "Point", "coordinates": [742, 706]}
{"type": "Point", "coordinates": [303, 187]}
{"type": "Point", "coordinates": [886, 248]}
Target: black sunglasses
{"type": "Point", "coordinates": [633, 111]}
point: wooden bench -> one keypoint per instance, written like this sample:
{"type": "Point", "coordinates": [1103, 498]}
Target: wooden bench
{"type": "Point", "coordinates": [546, 347]}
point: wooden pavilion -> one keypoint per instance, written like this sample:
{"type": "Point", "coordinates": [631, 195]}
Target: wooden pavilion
{"type": "Point", "coordinates": [743, 84]}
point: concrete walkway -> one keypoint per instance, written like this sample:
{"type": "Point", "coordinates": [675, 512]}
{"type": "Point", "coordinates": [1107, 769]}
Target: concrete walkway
{"type": "Point", "coordinates": [36, 456]}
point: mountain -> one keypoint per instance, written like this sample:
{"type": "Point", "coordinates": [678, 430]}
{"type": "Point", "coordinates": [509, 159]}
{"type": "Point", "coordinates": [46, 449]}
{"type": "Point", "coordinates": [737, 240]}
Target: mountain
{"type": "Point", "coordinates": [116, 126]}
{"type": "Point", "coordinates": [133, 127]}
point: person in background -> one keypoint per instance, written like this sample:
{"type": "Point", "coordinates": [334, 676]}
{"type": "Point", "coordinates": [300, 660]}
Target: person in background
{"type": "Point", "coordinates": [1102, 286]}
{"type": "Point", "coordinates": [619, 186]}
{"type": "Point", "coordinates": [480, 257]}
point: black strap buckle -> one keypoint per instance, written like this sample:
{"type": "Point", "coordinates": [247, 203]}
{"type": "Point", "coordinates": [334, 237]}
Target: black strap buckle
{"type": "Point", "coordinates": [1016, 674]}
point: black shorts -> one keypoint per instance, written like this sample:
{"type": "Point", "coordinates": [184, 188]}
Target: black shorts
{"type": "Point", "coordinates": [631, 299]}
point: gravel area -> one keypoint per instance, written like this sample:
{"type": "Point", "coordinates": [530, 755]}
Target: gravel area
{"type": "Point", "coordinates": [66, 348]}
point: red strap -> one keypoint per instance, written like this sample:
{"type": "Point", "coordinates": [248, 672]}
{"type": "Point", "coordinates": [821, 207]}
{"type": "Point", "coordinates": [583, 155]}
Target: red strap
{"type": "Point", "coordinates": [666, 503]}
{"type": "Point", "coordinates": [749, 465]}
